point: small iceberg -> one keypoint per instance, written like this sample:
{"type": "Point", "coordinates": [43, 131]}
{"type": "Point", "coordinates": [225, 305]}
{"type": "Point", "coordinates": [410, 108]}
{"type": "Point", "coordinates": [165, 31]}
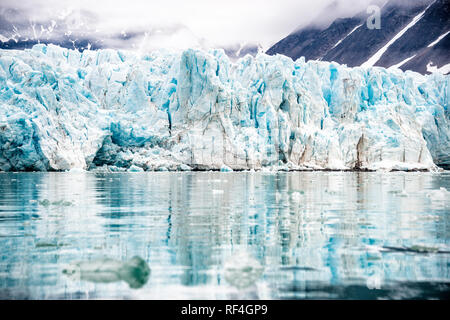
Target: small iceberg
{"type": "Point", "coordinates": [296, 197]}
{"type": "Point", "coordinates": [43, 244]}
{"type": "Point", "coordinates": [58, 203]}
{"type": "Point", "coordinates": [418, 248]}
{"type": "Point", "coordinates": [135, 272]}
{"type": "Point", "coordinates": [76, 170]}
{"type": "Point", "coordinates": [225, 168]}
{"type": "Point", "coordinates": [439, 195]}
{"type": "Point", "coordinates": [242, 271]}
{"type": "Point", "coordinates": [374, 282]}
{"type": "Point", "coordinates": [134, 168]}
{"type": "Point", "coordinates": [184, 167]}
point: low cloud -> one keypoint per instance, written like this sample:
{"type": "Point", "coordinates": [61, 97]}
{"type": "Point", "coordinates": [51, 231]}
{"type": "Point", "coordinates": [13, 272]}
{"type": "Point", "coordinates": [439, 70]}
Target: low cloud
{"type": "Point", "coordinates": [177, 24]}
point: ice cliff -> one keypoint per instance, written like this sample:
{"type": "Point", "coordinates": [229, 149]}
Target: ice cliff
{"type": "Point", "coordinates": [62, 109]}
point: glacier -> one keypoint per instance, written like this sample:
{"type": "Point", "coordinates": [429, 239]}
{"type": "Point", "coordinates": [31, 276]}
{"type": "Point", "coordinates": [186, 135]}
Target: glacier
{"type": "Point", "coordinates": [114, 110]}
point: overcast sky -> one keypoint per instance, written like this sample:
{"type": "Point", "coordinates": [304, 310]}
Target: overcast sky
{"type": "Point", "coordinates": [181, 23]}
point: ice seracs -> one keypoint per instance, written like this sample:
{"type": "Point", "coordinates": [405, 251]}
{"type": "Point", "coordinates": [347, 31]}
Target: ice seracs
{"type": "Point", "coordinates": [62, 109]}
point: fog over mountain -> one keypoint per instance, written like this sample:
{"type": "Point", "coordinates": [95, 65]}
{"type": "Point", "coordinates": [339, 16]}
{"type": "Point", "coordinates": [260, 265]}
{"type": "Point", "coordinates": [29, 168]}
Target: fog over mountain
{"type": "Point", "coordinates": [238, 27]}
{"type": "Point", "coordinates": [413, 34]}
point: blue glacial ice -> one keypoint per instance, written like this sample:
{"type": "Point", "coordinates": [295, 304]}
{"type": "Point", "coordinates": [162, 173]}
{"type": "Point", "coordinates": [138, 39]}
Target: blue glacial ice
{"type": "Point", "coordinates": [114, 110]}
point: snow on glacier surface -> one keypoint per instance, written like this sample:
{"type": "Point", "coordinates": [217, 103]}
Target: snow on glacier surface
{"type": "Point", "coordinates": [62, 109]}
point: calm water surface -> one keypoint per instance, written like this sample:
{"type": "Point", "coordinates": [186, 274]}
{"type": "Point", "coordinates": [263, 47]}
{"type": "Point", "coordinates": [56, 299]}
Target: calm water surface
{"type": "Point", "coordinates": [288, 235]}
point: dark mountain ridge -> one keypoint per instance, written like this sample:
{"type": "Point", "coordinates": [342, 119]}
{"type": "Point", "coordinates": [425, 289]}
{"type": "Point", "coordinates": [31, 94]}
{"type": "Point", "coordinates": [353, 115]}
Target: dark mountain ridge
{"type": "Point", "coordinates": [408, 30]}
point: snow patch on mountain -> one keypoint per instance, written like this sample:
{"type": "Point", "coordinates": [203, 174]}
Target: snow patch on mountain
{"type": "Point", "coordinates": [438, 39]}
{"type": "Point", "coordinates": [444, 69]}
{"type": "Point", "coordinates": [398, 65]}
{"type": "Point", "coordinates": [374, 59]}
{"type": "Point", "coordinates": [340, 41]}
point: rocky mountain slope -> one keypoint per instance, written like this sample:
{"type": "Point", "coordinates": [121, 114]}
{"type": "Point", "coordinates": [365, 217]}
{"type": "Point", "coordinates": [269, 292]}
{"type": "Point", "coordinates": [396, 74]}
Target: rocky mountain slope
{"type": "Point", "coordinates": [414, 35]}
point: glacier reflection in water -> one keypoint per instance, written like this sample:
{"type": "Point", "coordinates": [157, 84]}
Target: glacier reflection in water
{"type": "Point", "coordinates": [302, 234]}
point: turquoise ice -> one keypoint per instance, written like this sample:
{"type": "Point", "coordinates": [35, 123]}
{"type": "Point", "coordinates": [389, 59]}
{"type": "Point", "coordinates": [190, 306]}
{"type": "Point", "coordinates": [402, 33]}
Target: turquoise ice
{"type": "Point", "coordinates": [61, 109]}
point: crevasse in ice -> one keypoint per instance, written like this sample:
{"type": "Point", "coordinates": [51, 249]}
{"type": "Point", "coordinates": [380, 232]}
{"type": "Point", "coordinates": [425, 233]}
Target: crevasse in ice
{"type": "Point", "coordinates": [62, 109]}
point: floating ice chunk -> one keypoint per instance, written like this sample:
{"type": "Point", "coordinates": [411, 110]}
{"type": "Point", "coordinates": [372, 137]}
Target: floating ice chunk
{"type": "Point", "coordinates": [331, 192]}
{"type": "Point", "coordinates": [297, 196]}
{"type": "Point", "coordinates": [60, 203]}
{"type": "Point", "coordinates": [374, 282]}
{"type": "Point", "coordinates": [242, 271]}
{"type": "Point", "coordinates": [135, 272]}
{"type": "Point", "coordinates": [225, 168]}
{"type": "Point", "coordinates": [424, 249]}
{"type": "Point", "coordinates": [43, 244]}
{"type": "Point", "coordinates": [439, 195]}
{"type": "Point", "coordinates": [134, 168]}
{"type": "Point", "coordinates": [184, 167]}
{"type": "Point", "coordinates": [277, 197]}
{"type": "Point", "coordinates": [77, 170]}
{"type": "Point", "coordinates": [419, 248]}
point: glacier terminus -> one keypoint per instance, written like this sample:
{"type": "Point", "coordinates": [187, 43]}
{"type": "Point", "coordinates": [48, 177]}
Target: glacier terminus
{"type": "Point", "coordinates": [114, 110]}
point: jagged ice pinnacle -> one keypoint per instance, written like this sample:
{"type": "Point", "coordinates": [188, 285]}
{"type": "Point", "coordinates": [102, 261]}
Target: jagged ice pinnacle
{"type": "Point", "coordinates": [61, 109]}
